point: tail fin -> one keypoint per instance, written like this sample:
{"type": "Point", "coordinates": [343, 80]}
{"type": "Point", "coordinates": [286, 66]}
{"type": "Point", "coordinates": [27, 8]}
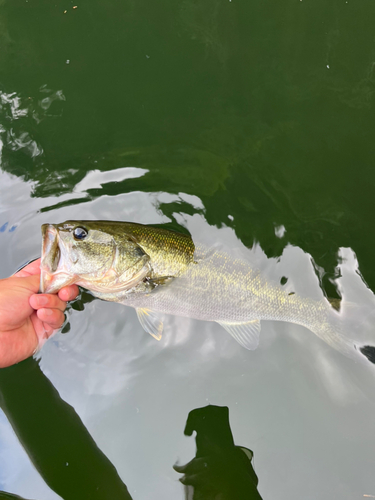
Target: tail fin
{"type": "Point", "coordinates": [333, 330]}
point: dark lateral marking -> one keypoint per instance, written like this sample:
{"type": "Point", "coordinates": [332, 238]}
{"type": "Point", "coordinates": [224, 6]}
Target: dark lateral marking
{"type": "Point", "coordinates": [283, 280]}
{"type": "Point", "coordinates": [369, 352]}
{"type": "Point", "coordinates": [291, 293]}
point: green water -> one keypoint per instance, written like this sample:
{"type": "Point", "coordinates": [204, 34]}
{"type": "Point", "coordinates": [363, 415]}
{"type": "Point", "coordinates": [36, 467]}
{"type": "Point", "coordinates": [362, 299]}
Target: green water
{"type": "Point", "coordinates": [222, 118]}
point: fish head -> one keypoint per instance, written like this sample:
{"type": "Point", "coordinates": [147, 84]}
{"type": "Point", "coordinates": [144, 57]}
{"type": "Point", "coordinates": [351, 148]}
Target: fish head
{"type": "Point", "coordinates": [89, 254]}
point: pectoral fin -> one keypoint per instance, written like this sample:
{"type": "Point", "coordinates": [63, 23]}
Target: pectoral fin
{"type": "Point", "coordinates": [151, 322]}
{"type": "Point", "coordinates": [246, 334]}
{"type": "Point", "coordinates": [163, 280]}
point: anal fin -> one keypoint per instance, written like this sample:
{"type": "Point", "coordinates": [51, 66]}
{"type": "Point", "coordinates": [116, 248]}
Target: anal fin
{"type": "Point", "coordinates": [246, 334]}
{"type": "Point", "coordinates": [151, 322]}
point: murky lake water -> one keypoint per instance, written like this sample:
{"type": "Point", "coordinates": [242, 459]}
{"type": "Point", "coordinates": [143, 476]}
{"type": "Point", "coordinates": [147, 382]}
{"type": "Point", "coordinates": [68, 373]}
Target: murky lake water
{"type": "Point", "coordinates": [245, 124]}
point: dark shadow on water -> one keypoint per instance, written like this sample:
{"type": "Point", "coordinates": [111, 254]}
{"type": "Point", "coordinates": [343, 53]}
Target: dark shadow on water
{"type": "Point", "coordinates": [67, 458]}
{"type": "Point", "coordinates": [54, 437]}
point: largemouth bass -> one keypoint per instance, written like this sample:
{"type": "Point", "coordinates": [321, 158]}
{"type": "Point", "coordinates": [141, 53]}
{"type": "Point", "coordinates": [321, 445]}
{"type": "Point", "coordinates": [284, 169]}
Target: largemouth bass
{"type": "Point", "coordinates": [159, 271]}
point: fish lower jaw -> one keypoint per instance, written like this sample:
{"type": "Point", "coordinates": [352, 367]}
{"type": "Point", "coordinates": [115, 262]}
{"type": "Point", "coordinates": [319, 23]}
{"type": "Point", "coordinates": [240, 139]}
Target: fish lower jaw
{"type": "Point", "coordinates": [53, 282]}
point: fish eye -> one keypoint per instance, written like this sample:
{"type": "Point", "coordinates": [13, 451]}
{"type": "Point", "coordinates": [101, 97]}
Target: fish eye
{"type": "Point", "coordinates": [80, 233]}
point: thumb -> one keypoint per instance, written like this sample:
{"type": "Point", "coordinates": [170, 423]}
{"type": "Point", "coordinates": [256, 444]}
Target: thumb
{"type": "Point", "coordinates": [31, 283]}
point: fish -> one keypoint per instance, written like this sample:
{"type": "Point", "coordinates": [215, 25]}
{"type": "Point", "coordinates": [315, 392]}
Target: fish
{"type": "Point", "coordinates": [159, 271]}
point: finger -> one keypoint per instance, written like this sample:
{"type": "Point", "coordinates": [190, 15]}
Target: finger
{"type": "Point", "coordinates": [194, 480]}
{"type": "Point", "coordinates": [181, 468]}
{"type": "Point", "coordinates": [47, 301]}
{"type": "Point", "coordinates": [43, 331]}
{"type": "Point", "coordinates": [29, 270]}
{"type": "Point", "coordinates": [51, 318]}
{"type": "Point", "coordinates": [192, 467]}
{"type": "Point", "coordinates": [49, 330]}
{"type": "Point", "coordinates": [29, 283]}
{"type": "Point", "coordinates": [68, 292]}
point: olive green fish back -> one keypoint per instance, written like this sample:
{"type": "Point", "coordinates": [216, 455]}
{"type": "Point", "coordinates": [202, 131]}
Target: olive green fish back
{"type": "Point", "coordinates": [170, 252]}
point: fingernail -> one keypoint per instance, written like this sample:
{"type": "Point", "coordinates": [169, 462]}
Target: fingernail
{"type": "Point", "coordinates": [48, 312]}
{"type": "Point", "coordinates": [42, 301]}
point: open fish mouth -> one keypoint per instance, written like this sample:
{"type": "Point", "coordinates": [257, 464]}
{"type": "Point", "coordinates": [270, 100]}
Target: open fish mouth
{"type": "Point", "coordinates": [50, 256]}
{"type": "Point", "coordinates": [51, 276]}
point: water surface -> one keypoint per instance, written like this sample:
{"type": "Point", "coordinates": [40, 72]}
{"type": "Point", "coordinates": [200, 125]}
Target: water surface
{"type": "Point", "coordinates": [243, 123]}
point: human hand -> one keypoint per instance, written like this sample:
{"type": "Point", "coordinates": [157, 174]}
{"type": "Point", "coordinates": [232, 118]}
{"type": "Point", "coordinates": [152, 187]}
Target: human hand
{"type": "Point", "coordinates": [28, 319]}
{"type": "Point", "coordinates": [220, 470]}
{"type": "Point", "coordinates": [224, 475]}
